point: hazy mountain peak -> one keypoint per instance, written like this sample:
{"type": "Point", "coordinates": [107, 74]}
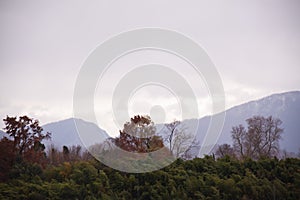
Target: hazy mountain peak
{"type": "Point", "coordinates": [65, 132]}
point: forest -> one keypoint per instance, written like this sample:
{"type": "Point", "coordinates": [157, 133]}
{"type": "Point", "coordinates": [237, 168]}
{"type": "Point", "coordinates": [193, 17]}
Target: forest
{"type": "Point", "coordinates": [250, 169]}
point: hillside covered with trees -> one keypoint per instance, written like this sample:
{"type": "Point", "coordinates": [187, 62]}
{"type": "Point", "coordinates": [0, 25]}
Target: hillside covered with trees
{"type": "Point", "coordinates": [27, 171]}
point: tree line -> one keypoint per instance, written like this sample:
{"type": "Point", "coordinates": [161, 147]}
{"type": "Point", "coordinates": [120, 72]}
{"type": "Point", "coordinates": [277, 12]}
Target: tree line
{"type": "Point", "coordinates": [247, 170]}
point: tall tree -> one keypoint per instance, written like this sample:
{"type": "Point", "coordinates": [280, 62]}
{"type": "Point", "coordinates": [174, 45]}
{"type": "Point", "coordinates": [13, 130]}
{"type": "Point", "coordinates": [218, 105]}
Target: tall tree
{"type": "Point", "coordinates": [172, 130]}
{"type": "Point", "coordinates": [180, 141]}
{"type": "Point", "coordinates": [239, 140]}
{"type": "Point", "coordinates": [260, 140]}
{"type": "Point", "coordinates": [26, 134]}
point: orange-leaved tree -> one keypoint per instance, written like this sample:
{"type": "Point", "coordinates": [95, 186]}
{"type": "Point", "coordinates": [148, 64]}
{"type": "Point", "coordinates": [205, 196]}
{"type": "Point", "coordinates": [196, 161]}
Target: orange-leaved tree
{"type": "Point", "coordinates": [139, 135]}
{"type": "Point", "coordinates": [26, 135]}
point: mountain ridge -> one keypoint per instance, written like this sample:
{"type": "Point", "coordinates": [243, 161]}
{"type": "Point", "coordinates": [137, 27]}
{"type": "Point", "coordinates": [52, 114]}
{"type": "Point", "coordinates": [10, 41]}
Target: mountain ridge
{"type": "Point", "coordinates": [285, 106]}
{"type": "Point", "coordinates": [65, 132]}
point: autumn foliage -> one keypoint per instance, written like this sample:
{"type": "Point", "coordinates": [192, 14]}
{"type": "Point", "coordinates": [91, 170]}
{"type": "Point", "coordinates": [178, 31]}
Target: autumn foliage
{"type": "Point", "coordinates": [72, 174]}
{"type": "Point", "coordinates": [23, 143]}
{"type": "Point", "coordinates": [138, 136]}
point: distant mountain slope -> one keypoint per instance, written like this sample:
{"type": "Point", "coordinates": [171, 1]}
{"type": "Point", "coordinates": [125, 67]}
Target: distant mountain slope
{"type": "Point", "coordinates": [2, 134]}
{"type": "Point", "coordinates": [65, 132]}
{"type": "Point", "coordinates": [285, 106]}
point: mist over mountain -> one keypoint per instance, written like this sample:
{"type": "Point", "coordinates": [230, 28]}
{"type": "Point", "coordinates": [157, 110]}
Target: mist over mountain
{"type": "Point", "coordinates": [65, 133]}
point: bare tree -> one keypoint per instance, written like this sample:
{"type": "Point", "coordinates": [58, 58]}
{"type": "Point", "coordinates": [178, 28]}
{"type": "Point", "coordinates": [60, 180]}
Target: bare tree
{"type": "Point", "coordinates": [267, 133]}
{"type": "Point", "coordinates": [171, 128]}
{"type": "Point", "coordinates": [260, 140]}
{"type": "Point", "coordinates": [223, 150]}
{"type": "Point", "coordinates": [238, 135]}
{"type": "Point", "coordinates": [192, 150]}
{"type": "Point", "coordinates": [179, 139]}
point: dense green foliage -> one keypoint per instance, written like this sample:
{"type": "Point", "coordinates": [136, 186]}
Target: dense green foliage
{"type": "Point", "coordinates": [28, 172]}
{"type": "Point", "coordinates": [200, 178]}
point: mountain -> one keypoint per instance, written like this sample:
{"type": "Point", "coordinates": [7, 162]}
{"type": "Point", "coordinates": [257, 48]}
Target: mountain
{"type": "Point", "coordinates": [285, 106]}
{"type": "Point", "coordinates": [65, 132]}
{"type": "Point", "coordinates": [2, 134]}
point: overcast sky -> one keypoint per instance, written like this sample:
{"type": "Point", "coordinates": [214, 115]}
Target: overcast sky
{"type": "Point", "coordinates": [255, 46]}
